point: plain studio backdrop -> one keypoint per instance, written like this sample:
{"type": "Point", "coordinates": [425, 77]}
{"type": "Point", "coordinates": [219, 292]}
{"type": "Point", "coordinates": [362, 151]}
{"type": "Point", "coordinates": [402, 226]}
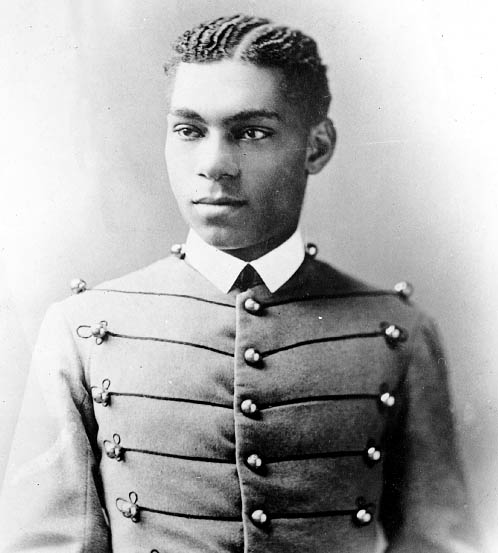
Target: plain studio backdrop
{"type": "Point", "coordinates": [410, 193]}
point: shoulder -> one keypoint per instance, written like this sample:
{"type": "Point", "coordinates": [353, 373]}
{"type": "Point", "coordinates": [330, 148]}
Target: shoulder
{"type": "Point", "coordinates": [160, 277]}
{"type": "Point", "coordinates": [128, 295]}
{"type": "Point", "coordinates": [333, 280]}
{"type": "Point", "coordinates": [392, 310]}
{"type": "Point", "coordinates": [91, 301]}
{"type": "Point", "coordinates": [320, 278]}
{"type": "Point", "coordinates": [155, 277]}
{"type": "Point", "coordinates": [355, 299]}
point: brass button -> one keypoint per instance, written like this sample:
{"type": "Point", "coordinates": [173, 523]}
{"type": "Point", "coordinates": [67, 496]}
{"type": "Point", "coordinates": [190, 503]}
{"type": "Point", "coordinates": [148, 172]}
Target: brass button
{"type": "Point", "coordinates": [255, 462]}
{"type": "Point", "coordinates": [178, 250]}
{"type": "Point", "coordinates": [363, 517]}
{"type": "Point", "coordinates": [114, 450]}
{"type": "Point", "coordinates": [102, 395]}
{"type": "Point", "coordinates": [99, 331]}
{"type": "Point", "coordinates": [387, 399]}
{"type": "Point", "coordinates": [248, 407]}
{"type": "Point", "coordinates": [252, 356]}
{"type": "Point", "coordinates": [311, 249]}
{"type": "Point", "coordinates": [364, 512]}
{"type": "Point", "coordinates": [259, 517]}
{"type": "Point", "coordinates": [403, 289]}
{"type": "Point", "coordinates": [129, 509]}
{"type": "Point", "coordinates": [372, 454]}
{"type": "Point", "coordinates": [77, 285]}
{"type": "Point", "coordinates": [393, 334]}
{"type": "Point", "coordinates": [252, 306]}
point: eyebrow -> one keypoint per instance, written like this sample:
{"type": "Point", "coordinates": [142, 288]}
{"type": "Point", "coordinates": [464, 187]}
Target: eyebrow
{"type": "Point", "coordinates": [240, 117]}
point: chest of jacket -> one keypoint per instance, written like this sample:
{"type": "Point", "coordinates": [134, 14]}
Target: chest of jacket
{"type": "Point", "coordinates": [245, 422]}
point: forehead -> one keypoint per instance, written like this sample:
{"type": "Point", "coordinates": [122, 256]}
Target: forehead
{"type": "Point", "coordinates": [222, 88]}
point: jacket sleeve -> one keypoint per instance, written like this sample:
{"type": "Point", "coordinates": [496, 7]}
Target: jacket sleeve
{"type": "Point", "coordinates": [51, 500]}
{"type": "Point", "coordinates": [425, 505]}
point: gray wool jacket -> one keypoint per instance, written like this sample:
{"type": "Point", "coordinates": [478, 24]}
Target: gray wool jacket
{"type": "Point", "coordinates": [162, 415]}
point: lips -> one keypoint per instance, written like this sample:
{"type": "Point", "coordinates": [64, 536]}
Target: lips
{"type": "Point", "coordinates": [221, 201]}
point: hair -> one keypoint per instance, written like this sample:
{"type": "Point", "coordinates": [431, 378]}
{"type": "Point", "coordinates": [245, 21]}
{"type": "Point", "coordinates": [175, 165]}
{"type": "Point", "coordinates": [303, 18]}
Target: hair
{"type": "Point", "coordinates": [262, 43]}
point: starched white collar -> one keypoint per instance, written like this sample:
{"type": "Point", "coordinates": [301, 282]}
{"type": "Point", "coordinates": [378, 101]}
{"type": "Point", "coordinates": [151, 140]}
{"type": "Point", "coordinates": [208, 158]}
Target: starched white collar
{"type": "Point", "coordinates": [222, 269]}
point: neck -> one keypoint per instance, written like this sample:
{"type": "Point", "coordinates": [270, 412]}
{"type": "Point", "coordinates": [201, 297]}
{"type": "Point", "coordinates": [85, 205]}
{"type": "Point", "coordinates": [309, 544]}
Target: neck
{"type": "Point", "coordinates": [255, 251]}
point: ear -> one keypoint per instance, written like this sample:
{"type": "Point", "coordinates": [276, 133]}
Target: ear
{"type": "Point", "coordinates": [321, 144]}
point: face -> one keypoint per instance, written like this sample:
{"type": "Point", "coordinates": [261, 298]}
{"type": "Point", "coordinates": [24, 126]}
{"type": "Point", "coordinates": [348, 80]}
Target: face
{"type": "Point", "coordinates": [235, 152]}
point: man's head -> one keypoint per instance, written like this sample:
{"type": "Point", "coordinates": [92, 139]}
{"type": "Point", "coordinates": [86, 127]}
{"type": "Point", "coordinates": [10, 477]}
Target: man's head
{"type": "Point", "coordinates": [264, 44]}
{"type": "Point", "coordinates": [247, 124]}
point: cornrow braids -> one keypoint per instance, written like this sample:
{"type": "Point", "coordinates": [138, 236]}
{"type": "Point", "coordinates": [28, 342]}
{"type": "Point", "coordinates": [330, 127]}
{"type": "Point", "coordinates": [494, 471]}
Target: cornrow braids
{"type": "Point", "coordinates": [213, 40]}
{"type": "Point", "coordinates": [260, 42]}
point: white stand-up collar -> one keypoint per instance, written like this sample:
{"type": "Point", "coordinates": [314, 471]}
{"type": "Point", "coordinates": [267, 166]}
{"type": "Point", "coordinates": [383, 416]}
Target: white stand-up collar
{"type": "Point", "coordinates": [222, 269]}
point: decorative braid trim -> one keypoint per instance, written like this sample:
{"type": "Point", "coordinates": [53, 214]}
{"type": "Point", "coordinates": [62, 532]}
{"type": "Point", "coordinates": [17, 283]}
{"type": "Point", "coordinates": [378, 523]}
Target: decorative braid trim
{"type": "Point", "coordinates": [169, 341]}
{"type": "Point", "coordinates": [309, 399]}
{"type": "Point", "coordinates": [167, 294]}
{"type": "Point", "coordinates": [374, 334]}
{"type": "Point", "coordinates": [167, 398]}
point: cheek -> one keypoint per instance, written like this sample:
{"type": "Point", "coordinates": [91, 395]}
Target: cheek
{"type": "Point", "coordinates": [179, 169]}
{"type": "Point", "coordinates": [179, 155]}
{"type": "Point", "coordinates": [270, 164]}
{"type": "Point", "coordinates": [174, 158]}
{"type": "Point", "coordinates": [176, 178]}
{"type": "Point", "coordinates": [276, 173]}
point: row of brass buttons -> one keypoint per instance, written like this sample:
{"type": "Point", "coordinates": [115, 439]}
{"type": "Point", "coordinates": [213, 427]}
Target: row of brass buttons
{"type": "Point", "coordinates": [102, 395]}
{"type": "Point", "coordinates": [253, 357]}
{"type": "Point", "coordinates": [114, 450]}
{"type": "Point", "coordinates": [363, 515]}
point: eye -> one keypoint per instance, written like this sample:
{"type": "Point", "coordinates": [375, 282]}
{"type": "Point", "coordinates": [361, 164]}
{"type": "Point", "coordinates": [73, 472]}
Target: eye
{"type": "Point", "coordinates": [187, 132]}
{"type": "Point", "coordinates": [253, 133]}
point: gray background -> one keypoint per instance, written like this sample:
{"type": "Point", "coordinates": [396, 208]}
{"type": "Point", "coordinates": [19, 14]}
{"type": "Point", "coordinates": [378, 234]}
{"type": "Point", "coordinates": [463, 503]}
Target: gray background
{"type": "Point", "coordinates": [410, 193]}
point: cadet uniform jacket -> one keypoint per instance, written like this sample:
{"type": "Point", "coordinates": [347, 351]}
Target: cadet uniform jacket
{"type": "Point", "coordinates": [162, 415]}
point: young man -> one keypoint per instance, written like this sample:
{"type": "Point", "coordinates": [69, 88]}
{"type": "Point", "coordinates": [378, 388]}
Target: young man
{"type": "Point", "coordinates": [239, 395]}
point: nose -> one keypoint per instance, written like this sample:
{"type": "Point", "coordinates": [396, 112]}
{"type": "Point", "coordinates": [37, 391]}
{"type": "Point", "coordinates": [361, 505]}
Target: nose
{"type": "Point", "coordinates": [217, 158]}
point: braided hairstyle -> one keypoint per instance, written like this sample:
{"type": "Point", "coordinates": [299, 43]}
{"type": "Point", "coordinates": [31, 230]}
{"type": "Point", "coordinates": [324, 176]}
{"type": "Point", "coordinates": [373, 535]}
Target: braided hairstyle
{"type": "Point", "coordinates": [261, 42]}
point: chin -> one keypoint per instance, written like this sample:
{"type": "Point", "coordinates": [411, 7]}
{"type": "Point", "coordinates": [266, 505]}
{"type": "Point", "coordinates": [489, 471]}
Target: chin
{"type": "Point", "coordinates": [225, 238]}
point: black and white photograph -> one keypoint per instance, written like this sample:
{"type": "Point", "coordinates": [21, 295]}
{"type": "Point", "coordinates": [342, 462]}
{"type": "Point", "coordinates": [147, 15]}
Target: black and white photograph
{"type": "Point", "coordinates": [248, 267]}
